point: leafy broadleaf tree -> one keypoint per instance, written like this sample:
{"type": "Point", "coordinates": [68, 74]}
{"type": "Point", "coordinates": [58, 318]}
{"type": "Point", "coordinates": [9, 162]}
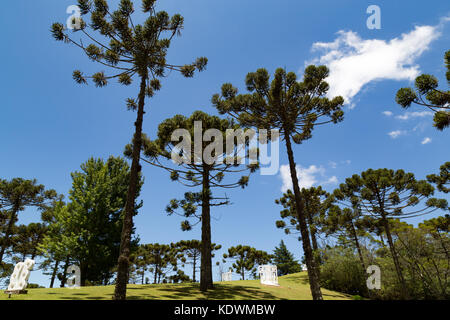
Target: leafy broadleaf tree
{"type": "Point", "coordinates": [88, 229]}
{"type": "Point", "coordinates": [246, 259]}
{"type": "Point", "coordinates": [129, 51]}
{"type": "Point", "coordinates": [284, 260]}
{"type": "Point", "coordinates": [205, 165]}
{"type": "Point", "coordinates": [385, 195]}
{"type": "Point", "coordinates": [428, 95]}
{"type": "Point", "coordinates": [293, 107]}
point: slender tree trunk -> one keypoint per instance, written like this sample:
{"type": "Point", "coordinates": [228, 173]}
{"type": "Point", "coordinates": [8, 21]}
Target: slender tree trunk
{"type": "Point", "coordinates": [395, 258]}
{"type": "Point", "coordinates": [83, 270]}
{"type": "Point", "coordinates": [195, 265]}
{"type": "Point", "coordinates": [307, 250]}
{"type": "Point", "coordinates": [358, 247]}
{"type": "Point", "coordinates": [7, 242]}
{"type": "Point", "coordinates": [64, 275]}
{"type": "Point", "coordinates": [127, 228]}
{"type": "Point", "coordinates": [315, 246]}
{"type": "Point", "coordinates": [55, 270]}
{"type": "Point", "coordinates": [156, 274]}
{"type": "Point", "coordinates": [206, 264]}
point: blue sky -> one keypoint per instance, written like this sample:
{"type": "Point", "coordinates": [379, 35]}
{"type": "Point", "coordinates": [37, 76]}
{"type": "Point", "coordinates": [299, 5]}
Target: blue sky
{"type": "Point", "coordinates": [49, 125]}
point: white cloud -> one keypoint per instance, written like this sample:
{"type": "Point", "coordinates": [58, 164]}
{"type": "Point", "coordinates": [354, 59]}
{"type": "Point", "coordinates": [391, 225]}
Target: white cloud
{"type": "Point", "coordinates": [387, 113]}
{"type": "Point", "coordinates": [355, 62]}
{"type": "Point", "coordinates": [426, 140]}
{"type": "Point", "coordinates": [332, 180]}
{"type": "Point", "coordinates": [396, 134]}
{"type": "Point", "coordinates": [307, 177]}
{"type": "Point", "coordinates": [416, 114]}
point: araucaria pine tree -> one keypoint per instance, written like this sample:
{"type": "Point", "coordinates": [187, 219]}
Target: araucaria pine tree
{"type": "Point", "coordinates": [442, 180]}
{"type": "Point", "coordinates": [15, 196]}
{"type": "Point", "coordinates": [203, 164]}
{"type": "Point", "coordinates": [386, 195]}
{"type": "Point", "coordinates": [316, 203]}
{"type": "Point", "coordinates": [246, 259]}
{"type": "Point", "coordinates": [130, 51]}
{"type": "Point", "coordinates": [293, 107]}
{"type": "Point", "coordinates": [428, 95]}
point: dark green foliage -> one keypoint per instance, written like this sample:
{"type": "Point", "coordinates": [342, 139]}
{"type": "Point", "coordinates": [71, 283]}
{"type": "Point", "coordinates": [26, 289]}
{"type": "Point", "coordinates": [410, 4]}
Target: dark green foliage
{"type": "Point", "coordinates": [15, 196]}
{"type": "Point", "coordinates": [88, 229]}
{"type": "Point", "coordinates": [342, 271]}
{"type": "Point", "coordinates": [203, 167]}
{"type": "Point", "coordinates": [130, 50]}
{"type": "Point", "coordinates": [246, 259]}
{"type": "Point", "coordinates": [316, 203]}
{"type": "Point", "coordinates": [190, 252]}
{"type": "Point", "coordinates": [427, 94]}
{"type": "Point", "coordinates": [158, 259]}
{"type": "Point", "coordinates": [284, 260]}
{"type": "Point", "coordinates": [386, 194]}
{"type": "Point", "coordinates": [442, 180]}
{"type": "Point", "coordinates": [294, 108]}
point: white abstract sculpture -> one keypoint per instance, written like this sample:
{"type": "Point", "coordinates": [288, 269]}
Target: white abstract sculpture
{"type": "Point", "coordinates": [304, 267]}
{"type": "Point", "coordinates": [268, 275]}
{"type": "Point", "coordinates": [20, 275]}
{"type": "Point", "coordinates": [226, 276]}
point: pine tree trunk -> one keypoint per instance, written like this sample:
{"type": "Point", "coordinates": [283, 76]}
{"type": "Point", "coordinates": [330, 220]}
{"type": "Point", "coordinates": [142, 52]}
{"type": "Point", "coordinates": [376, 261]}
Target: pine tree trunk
{"type": "Point", "coordinates": [194, 265]}
{"type": "Point", "coordinates": [55, 270]}
{"type": "Point", "coordinates": [395, 258]}
{"type": "Point", "coordinates": [206, 264]}
{"type": "Point", "coordinates": [315, 246]}
{"type": "Point", "coordinates": [127, 228]}
{"type": "Point", "coordinates": [64, 275]}
{"type": "Point", "coordinates": [358, 247]}
{"type": "Point", "coordinates": [307, 250]}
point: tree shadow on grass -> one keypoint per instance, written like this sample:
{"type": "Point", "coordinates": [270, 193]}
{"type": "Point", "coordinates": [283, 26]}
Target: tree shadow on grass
{"type": "Point", "coordinates": [220, 292]}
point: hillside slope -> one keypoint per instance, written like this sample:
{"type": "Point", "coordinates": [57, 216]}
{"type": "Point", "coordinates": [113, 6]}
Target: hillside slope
{"type": "Point", "coordinates": [292, 287]}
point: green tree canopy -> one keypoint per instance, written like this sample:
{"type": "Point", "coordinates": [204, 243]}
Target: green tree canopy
{"type": "Point", "coordinates": [129, 50]}
{"type": "Point", "coordinates": [294, 108]}
{"type": "Point", "coordinates": [284, 260]}
{"type": "Point", "coordinates": [202, 165]}
{"type": "Point", "coordinates": [387, 194]}
{"type": "Point", "coordinates": [88, 229]}
{"type": "Point", "coordinates": [246, 259]}
{"type": "Point", "coordinates": [427, 94]}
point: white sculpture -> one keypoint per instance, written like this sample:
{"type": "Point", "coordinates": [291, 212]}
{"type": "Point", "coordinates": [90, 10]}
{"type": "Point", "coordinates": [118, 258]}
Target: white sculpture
{"type": "Point", "coordinates": [226, 276]}
{"type": "Point", "coordinates": [268, 275]}
{"type": "Point", "coordinates": [304, 267]}
{"type": "Point", "coordinates": [20, 275]}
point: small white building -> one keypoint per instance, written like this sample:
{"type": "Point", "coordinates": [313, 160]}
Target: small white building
{"type": "Point", "coordinates": [227, 276]}
{"type": "Point", "coordinates": [268, 275]}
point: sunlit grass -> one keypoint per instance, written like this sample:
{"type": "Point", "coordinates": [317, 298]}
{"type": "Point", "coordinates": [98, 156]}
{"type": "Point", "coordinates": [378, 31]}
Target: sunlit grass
{"type": "Point", "coordinates": [292, 287]}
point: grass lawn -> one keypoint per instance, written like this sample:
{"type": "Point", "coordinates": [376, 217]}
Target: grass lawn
{"type": "Point", "coordinates": [292, 287]}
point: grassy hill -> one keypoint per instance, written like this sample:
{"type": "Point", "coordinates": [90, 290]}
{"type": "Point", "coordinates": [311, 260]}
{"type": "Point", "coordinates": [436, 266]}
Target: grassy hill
{"type": "Point", "coordinates": [292, 287]}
